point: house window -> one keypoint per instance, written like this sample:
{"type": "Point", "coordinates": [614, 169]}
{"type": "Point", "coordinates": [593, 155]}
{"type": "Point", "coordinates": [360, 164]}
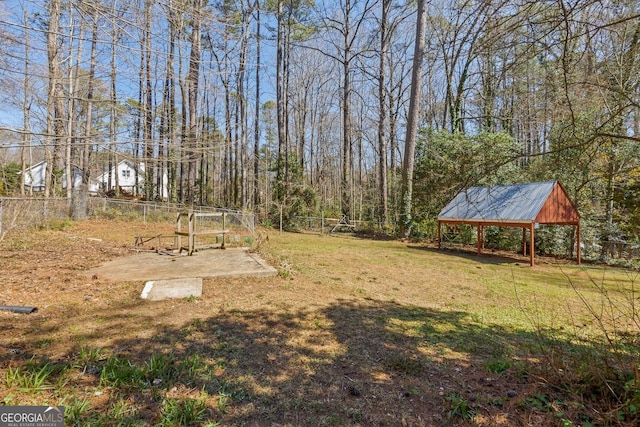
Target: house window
{"type": "Point", "coordinates": [126, 173]}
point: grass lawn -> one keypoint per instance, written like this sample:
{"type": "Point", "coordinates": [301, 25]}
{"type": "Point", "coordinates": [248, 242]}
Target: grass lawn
{"type": "Point", "coordinates": [353, 331]}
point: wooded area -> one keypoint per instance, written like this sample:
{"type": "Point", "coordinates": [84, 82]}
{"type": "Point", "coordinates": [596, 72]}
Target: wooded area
{"type": "Point", "coordinates": [304, 106]}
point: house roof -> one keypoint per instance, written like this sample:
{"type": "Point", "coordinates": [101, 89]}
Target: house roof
{"type": "Point", "coordinates": [540, 202]}
{"type": "Point", "coordinates": [34, 166]}
{"type": "Point", "coordinates": [42, 164]}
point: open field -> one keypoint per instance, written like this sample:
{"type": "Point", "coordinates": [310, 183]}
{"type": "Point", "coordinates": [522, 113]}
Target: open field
{"type": "Point", "coordinates": [353, 331]}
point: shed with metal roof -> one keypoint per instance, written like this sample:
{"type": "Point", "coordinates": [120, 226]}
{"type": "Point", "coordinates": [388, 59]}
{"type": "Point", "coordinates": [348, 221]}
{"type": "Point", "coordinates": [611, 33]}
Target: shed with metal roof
{"type": "Point", "coordinates": [519, 205]}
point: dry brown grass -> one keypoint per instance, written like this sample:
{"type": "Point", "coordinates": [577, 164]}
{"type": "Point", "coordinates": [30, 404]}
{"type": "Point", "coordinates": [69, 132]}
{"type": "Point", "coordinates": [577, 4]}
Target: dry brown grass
{"type": "Point", "coordinates": [354, 331]}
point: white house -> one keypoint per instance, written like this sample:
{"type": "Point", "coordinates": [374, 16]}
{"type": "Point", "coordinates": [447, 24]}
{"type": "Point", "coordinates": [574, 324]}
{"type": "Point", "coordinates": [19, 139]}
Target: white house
{"type": "Point", "coordinates": [34, 178]}
{"type": "Point", "coordinates": [127, 173]}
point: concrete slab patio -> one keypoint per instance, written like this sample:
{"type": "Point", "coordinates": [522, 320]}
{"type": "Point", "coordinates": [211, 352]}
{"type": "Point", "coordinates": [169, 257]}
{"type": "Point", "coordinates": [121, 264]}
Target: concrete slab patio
{"type": "Point", "coordinates": [205, 263]}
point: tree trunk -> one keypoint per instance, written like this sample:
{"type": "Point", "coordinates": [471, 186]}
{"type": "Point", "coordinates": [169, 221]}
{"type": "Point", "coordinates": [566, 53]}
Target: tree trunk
{"type": "Point", "coordinates": [280, 104]}
{"type": "Point", "coordinates": [167, 124]}
{"type": "Point", "coordinates": [70, 106]}
{"type": "Point", "coordinates": [113, 115]}
{"type": "Point", "coordinates": [193, 77]}
{"type": "Point", "coordinates": [256, 141]}
{"type": "Point", "coordinates": [26, 107]}
{"type": "Point", "coordinates": [346, 182]}
{"type": "Point", "coordinates": [148, 108]}
{"type": "Point", "coordinates": [242, 107]}
{"type": "Point", "coordinates": [382, 118]}
{"type": "Point", "coordinates": [140, 111]}
{"type": "Point", "coordinates": [183, 130]}
{"type": "Point", "coordinates": [412, 121]}
{"type": "Point", "coordinates": [86, 146]}
{"type": "Point", "coordinates": [55, 107]}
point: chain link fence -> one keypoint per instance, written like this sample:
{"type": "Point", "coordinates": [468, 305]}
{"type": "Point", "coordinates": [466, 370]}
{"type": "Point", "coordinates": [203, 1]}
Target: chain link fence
{"type": "Point", "coordinates": [17, 213]}
{"type": "Point", "coordinates": [327, 225]}
{"type": "Point", "coordinates": [22, 213]}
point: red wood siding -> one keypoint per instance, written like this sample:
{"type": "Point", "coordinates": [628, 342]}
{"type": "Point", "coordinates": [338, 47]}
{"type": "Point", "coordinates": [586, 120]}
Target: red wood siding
{"type": "Point", "coordinates": [558, 209]}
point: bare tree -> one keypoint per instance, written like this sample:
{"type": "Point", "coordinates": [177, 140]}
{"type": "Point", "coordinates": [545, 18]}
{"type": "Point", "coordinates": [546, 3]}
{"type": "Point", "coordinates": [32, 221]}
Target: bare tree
{"type": "Point", "coordinates": [113, 102]}
{"type": "Point", "coordinates": [26, 109]}
{"type": "Point", "coordinates": [256, 141]}
{"type": "Point", "coordinates": [382, 115]}
{"type": "Point", "coordinates": [412, 120]}
{"type": "Point", "coordinates": [193, 77]}
{"type": "Point", "coordinates": [86, 146]}
{"type": "Point", "coordinates": [348, 32]}
{"type": "Point", "coordinates": [281, 105]}
{"type": "Point", "coordinates": [167, 131]}
{"type": "Point", "coordinates": [55, 97]}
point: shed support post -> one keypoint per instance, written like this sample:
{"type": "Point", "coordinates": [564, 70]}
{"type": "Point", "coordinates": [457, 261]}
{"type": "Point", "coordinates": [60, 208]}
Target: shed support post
{"type": "Point", "coordinates": [439, 236]}
{"type": "Point", "coordinates": [479, 238]}
{"type": "Point", "coordinates": [578, 241]}
{"type": "Point", "coordinates": [524, 241]}
{"type": "Point", "coordinates": [531, 244]}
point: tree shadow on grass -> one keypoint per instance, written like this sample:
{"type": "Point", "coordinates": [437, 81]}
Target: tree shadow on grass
{"type": "Point", "coordinates": [349, 363]}
{"type": "Point", "coordinates": [488, 256]}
